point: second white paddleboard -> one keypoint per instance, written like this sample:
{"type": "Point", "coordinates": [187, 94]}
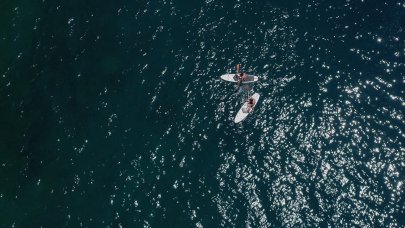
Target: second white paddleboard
{"type": "Point", "coordinates": [243, 113]}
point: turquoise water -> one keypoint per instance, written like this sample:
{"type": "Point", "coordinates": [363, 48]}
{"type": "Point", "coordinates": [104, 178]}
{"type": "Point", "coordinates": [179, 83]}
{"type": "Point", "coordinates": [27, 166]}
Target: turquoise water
{"type": "Point", "coordinates": [113, 114]}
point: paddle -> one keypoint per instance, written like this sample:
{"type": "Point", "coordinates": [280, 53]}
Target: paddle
{"type": "Point", "coordinates": [237, 73]}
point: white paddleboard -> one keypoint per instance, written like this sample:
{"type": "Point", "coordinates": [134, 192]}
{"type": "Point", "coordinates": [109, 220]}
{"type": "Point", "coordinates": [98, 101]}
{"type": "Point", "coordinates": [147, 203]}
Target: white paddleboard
{"type": "Point", "coordinates": [242, 114]}
{"type": "Point", "coordinates": [234, 78]}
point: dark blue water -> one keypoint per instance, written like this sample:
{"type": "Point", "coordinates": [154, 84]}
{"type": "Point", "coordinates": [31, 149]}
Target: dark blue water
{"type": "Point", "coordinates": [113, 114]}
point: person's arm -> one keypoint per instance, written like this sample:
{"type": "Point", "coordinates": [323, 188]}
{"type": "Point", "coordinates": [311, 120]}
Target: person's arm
{"type": "Point", "coordinates": [237, 68]}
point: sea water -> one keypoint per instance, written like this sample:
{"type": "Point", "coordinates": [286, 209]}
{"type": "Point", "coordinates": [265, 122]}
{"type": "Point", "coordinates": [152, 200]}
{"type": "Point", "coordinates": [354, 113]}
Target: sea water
{"type": "Point", "coordinates": [113, 114]}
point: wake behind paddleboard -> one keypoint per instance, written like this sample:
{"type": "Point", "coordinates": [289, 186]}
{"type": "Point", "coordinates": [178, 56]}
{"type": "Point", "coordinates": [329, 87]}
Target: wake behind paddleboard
{"type": "Point", "coordinates": [234, 78]}
{"type": "Point", "coordinates": [243, 113]}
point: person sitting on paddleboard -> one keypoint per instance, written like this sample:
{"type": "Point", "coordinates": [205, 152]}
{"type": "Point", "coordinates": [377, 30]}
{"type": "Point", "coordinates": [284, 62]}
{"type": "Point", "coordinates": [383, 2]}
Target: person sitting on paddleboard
{"type": "Point", "coordinates": [244, 77]}
{"type": "Point", "coordinates": [241, 76]}
{"type": "Point", "coordinates": [237, 74]}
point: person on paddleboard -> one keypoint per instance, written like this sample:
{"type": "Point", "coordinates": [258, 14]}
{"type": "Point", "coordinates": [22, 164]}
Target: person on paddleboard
{"type": "Point", "coordinates": [250, 105]}
{"type": "Point", "coordinates": [241, 76]}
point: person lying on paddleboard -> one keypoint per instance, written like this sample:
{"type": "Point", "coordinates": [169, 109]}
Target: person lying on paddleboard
{"type": "Point", "coordinates": [250, 105]}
